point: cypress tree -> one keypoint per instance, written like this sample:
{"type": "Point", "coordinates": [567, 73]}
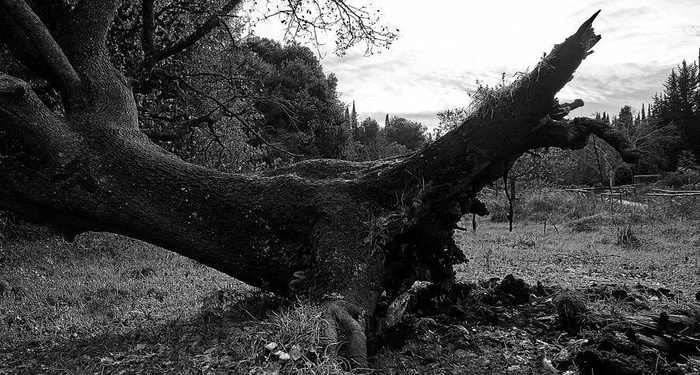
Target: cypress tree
{"type": "Point", "coordinates": [353, 117]}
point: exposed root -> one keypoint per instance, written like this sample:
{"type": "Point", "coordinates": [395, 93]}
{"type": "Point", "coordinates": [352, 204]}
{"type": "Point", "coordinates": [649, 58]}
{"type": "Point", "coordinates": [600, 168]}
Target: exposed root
{"type": "Point", "coordinates": [345, 332]}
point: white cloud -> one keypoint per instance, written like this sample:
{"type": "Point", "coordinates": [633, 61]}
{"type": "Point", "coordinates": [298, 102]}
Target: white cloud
{"type": "Point", "coordinates": [446, 45]}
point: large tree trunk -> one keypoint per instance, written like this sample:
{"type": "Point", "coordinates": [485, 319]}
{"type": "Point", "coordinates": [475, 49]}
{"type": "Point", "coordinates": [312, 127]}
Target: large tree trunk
{"type": "Point", "coordinates": [343, 233]}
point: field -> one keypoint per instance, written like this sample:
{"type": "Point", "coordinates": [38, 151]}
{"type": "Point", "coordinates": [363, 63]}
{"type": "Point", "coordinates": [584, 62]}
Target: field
{"type": "Point", "coordinates": [109, 304]}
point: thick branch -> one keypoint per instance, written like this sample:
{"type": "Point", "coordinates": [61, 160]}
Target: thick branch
{"type": "Point", "coordinates": [23, 115]}
{"type": "Point", "coordinates": [25, 33]}
{"type": "Point", "coordinates": [191, 39]}
{"type": "Point", "coordinates": [83, 34]}
{"type": "Point", "coordinates": [149, 26]}
{"type": "Point", "coordinates": [574, 135]}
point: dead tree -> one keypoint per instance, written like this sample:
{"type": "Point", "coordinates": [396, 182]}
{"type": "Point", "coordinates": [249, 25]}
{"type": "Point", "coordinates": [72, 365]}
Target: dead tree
{"type": "Point", "coordinates": [343, 233]}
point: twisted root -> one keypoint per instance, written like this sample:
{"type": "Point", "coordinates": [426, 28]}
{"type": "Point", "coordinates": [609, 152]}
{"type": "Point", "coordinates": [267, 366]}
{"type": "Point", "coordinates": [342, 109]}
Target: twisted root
{"type": "Point", "coordinates": [345, 332]}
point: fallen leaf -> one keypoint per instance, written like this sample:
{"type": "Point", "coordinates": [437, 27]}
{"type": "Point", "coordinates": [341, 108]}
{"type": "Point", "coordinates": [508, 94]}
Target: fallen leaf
{"type": "Point", "coordinates": [295, 352]}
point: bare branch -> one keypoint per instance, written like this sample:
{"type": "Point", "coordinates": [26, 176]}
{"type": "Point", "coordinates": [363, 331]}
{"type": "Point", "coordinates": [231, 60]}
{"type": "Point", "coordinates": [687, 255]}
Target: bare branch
{"type": "Point", "coordinates": [223, 107]}
{"type": "Point", "coordinates": [200, 32]}
{"type": "Point", "coordinates": [34, 41]}
{"type": "Point", "coordinates": [350, 24]}
{"type": "Point", "coordinates": [181, 129]}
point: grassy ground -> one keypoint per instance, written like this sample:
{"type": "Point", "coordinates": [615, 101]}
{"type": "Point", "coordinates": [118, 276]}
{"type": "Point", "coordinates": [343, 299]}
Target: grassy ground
{"type": "Point", "coordinates": [583, 242]}
{"type": "Point", "coordinates": [108, 304]}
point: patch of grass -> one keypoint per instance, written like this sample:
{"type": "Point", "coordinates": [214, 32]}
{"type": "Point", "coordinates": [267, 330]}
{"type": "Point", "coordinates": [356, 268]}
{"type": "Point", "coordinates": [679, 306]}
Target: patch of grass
{"type": "Point", "coordinates": [675, 208]}
{"type": "Point", "coordinates": [585, 249]}
{"type": "Point", "coordinates": [545, 204]}
{"type": "Point", "coordinates": [626, 237]}
{"type": "Point", "coordinates": [100, 284]}
{"type": "Point", "coordinates": [107, 303]}
{"type": "Point", "coordinates": [499, 213]}
{"type": "Point", "coordinates": [588, 224]}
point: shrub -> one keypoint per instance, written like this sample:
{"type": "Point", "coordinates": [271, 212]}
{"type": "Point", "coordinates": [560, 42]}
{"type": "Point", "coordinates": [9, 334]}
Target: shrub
{"type": "Point", "coordinates": [680, 179]}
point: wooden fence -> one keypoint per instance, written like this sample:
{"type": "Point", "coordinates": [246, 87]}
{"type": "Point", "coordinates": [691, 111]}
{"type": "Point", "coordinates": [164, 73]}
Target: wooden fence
{"type": "Point", "coordinates": [658, 195]}
{"type": "Point", "coordinates": [605, 193]}
{"type": "Point", "coordinates": [653, 197]}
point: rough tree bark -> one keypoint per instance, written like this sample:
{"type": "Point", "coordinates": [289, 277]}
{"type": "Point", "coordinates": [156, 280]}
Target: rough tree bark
{"type": "Point", "coordinates": [346, 234]}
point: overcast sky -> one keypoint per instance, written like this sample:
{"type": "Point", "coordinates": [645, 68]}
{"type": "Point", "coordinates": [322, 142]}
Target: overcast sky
{"type": "Point", "coordinates": [445, 46]}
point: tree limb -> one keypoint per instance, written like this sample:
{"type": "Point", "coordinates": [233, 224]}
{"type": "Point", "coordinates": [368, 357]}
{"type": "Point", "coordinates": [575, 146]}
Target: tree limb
{"type": "Point", "coordinates": [33, 39]}
{"type": "Point", "coordinates": [149, 26]}
{"type": "Point", "coordinates": [83, 33]}
{"type": "Point", "coordinates": [191, 39]}
{"type": "Point", "coordinates": [23, 115]}
{"type": "Point", "coordinates": [574, 135]}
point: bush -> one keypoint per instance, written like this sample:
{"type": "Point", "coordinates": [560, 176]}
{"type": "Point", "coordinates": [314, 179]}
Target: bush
{"type": "Point", "coordinates": [681, 179]}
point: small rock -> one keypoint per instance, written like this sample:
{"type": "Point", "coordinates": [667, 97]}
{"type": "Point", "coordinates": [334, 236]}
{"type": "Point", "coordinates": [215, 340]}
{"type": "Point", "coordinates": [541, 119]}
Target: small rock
{"type": "Point", "coordinates": [271, 346]}
{"type": "Point", "coordinates": [284, 356]}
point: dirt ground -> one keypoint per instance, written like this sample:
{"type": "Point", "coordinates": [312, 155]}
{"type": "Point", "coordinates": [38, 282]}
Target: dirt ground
{"type": "Point", "coordinates": [507, 326]}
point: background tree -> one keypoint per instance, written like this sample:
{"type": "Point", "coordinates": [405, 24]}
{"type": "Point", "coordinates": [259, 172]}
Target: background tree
{"type": "Point", "coordinates": [298, 102]}
{"type": "Point", "coordinates": [405, 132]}
{"type": "Point", "coordinates": [679, 105]}
{"type": "Point", "coordinates": [370, 143]}
{"type": "Point", "coordinates": [369, 131]}
{"type": "Point", "coordinates": [598, 163]}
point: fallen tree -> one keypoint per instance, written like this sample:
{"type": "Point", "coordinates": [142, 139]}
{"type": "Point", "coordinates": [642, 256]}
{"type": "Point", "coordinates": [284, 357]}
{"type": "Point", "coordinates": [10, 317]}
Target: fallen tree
{"type": "Point", "coordinates": [353, 236]}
